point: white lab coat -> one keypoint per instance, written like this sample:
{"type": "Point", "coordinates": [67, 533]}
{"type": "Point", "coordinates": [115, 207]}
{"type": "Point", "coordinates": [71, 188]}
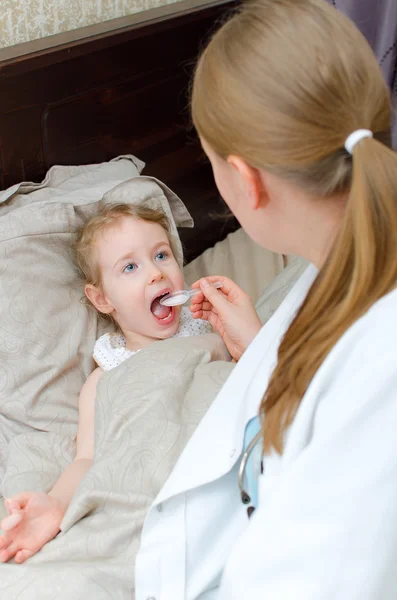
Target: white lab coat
{"type": "Point", "coordinates": [326, 525]}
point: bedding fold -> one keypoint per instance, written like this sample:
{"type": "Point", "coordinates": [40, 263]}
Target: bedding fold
{"type": "Point", "coordinates": [146, 411]}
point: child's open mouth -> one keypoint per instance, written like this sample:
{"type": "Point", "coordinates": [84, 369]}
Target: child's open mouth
{"type": "Point", "coordinates": [163, 314]}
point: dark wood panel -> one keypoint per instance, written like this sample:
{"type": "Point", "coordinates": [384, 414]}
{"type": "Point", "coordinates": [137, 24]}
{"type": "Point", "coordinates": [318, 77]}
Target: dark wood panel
{"type": "Point", "coordinates": [122, 92]}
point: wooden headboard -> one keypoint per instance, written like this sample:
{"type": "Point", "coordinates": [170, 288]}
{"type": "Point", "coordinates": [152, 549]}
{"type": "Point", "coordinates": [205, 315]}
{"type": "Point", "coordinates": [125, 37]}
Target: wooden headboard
{"type": "Point", "coordinates": [122, 91]}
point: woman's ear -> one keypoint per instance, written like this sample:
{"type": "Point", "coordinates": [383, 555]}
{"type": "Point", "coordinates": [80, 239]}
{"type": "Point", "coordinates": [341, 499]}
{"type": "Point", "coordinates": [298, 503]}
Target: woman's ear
{"type": "Point", "coordinates": [252, 180]}
{"type": "Point", "coordinates": [96, 296]}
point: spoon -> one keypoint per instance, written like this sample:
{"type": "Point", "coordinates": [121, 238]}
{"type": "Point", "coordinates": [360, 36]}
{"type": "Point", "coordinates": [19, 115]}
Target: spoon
{"type": "Point", "coordinates": [181, 296]}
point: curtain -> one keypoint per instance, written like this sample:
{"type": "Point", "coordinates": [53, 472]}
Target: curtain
{"type": "Point", "coordinates": [377, 20]}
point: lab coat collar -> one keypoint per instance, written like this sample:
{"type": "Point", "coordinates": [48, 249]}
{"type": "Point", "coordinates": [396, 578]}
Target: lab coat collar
{"type": "Point", "coordinates": [217, 442]}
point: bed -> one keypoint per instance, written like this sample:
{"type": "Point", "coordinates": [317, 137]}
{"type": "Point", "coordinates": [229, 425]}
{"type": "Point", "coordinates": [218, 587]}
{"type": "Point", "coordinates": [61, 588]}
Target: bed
{"type": "Point", "coordinates": [118, 92]}
{"type": "Point", "coordinates": [81, 117]}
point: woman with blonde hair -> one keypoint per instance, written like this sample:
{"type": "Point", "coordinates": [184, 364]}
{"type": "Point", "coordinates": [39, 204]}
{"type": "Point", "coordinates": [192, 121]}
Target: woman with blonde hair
{"type": "Point", "coordinates": [294, 115]}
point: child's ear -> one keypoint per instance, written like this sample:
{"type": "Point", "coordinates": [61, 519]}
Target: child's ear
{"type": "Point", "coordinates": [96, 296]}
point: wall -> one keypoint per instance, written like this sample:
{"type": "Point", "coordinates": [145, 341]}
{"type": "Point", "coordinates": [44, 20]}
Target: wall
{"type": "Point", "coordinates": [25, 20]}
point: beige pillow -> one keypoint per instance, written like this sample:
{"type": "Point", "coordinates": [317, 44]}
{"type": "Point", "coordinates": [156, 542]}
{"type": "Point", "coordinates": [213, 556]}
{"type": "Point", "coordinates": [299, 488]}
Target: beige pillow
{"type": "Point", "coordinates": [154, 194]}
{"type": "Point", "coordinates": [46, 334]}
{"type": "Point", "coordinates": [274, 293]}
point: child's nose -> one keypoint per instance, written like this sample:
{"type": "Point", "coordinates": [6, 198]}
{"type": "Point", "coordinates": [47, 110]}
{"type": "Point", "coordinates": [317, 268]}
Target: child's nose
{"type": "Point", "coordinates": [156, 275]}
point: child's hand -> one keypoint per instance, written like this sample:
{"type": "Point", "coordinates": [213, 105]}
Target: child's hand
{"type": "Point", "coordinates": [229, 310]}
{"type": "Point", "coordinates": [34, 519]}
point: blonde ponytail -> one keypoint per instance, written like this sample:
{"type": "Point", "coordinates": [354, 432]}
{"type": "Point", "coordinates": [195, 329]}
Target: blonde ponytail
{"type": "Point", "coordinates": [361, 268]}
{"type": "Point", "coordinates": [283, 84]}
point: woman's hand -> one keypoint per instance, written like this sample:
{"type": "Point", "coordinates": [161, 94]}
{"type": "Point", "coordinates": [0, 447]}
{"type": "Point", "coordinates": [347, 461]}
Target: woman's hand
{"type": "Point", "coordinates": [229, 310]}
{"type": "Point", "coordinates": [34, 519]}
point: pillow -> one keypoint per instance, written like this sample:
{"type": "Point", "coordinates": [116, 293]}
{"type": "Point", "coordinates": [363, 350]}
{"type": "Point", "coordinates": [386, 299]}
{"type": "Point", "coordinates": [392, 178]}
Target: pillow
{"type": "Point", "coordinates": [46, 334]}
{"type": "Point", "coordinates": [273, 295]}
{"type": "Point", "coordinates": [154, 194]}
{"type": "Point", "coordinates": [72, 184]}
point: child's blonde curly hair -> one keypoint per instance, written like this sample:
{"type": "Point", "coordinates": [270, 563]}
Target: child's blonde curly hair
{"type": "Point", "coordinates": [107, 216]}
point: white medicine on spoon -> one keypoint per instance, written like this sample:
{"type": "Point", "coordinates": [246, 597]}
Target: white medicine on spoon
{"type": "Point", "coordinates": [181, 296]}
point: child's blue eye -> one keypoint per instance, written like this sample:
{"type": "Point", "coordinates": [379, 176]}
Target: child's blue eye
{"type": "Point", "coordinates": [161, 256]}
{"type": "Point", "coordinates": [130, 268]}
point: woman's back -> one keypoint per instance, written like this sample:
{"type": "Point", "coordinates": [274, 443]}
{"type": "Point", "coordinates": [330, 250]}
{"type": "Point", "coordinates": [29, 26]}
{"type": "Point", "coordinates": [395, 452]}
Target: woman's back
{"type": "Point", "coordinates": [329, 503]}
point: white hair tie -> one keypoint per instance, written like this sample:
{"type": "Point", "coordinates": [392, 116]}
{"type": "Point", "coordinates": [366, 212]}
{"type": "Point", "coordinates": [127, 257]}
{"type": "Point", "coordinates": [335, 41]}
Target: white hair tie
{"type": "Point", "coordinates": [356, 137]}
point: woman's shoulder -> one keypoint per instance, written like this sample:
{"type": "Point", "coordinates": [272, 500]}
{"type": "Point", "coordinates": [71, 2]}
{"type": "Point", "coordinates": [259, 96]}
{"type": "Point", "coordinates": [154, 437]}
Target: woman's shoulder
{"type": "Point", "coordinates": [370, 343]}
{"type": "Point", "coordinates": [378, 326]}
{"type": "Point", "coordinates": [359, 376]}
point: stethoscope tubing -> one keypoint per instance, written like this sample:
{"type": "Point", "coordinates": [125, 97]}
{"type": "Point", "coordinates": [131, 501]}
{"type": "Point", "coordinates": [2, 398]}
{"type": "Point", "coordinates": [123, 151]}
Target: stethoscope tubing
{"type": "Point", "coordinates": [245, 498]}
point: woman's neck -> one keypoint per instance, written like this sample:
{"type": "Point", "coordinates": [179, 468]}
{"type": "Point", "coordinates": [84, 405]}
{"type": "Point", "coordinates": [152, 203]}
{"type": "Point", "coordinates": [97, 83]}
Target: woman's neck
{"type": "Point", "coordinates": [310, 223]}
{"type": "Point", "coordinates": [320, 230]}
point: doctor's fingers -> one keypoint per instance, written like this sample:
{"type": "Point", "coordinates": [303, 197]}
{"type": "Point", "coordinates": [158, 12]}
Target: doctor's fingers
{"type": "Point", "coordinates": [227, 284]}
{"type": "Point", "coordinates": [198, 298]}
{"type": "Point", "coordinates": [206, 305]}
{"type": "Point", "coordinates": [213, 320]}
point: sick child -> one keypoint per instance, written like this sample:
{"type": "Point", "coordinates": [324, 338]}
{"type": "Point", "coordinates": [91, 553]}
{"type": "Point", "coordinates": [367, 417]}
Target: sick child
{"type": "Point", "coordinates": [126, 257]}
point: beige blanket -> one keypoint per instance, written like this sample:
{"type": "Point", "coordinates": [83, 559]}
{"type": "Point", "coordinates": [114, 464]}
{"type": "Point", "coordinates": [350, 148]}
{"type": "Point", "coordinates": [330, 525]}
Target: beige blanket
{"type": "Point", "coordinates": [146, 410]}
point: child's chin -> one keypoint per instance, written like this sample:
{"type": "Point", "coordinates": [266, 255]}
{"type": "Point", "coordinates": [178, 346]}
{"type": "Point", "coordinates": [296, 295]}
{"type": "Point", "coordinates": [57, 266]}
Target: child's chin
{"type": "Point", "coordinates": [171, 330]}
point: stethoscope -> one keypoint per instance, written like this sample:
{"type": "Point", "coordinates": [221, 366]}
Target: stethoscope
{"type": "Point", "coordinates": [245, 497]}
